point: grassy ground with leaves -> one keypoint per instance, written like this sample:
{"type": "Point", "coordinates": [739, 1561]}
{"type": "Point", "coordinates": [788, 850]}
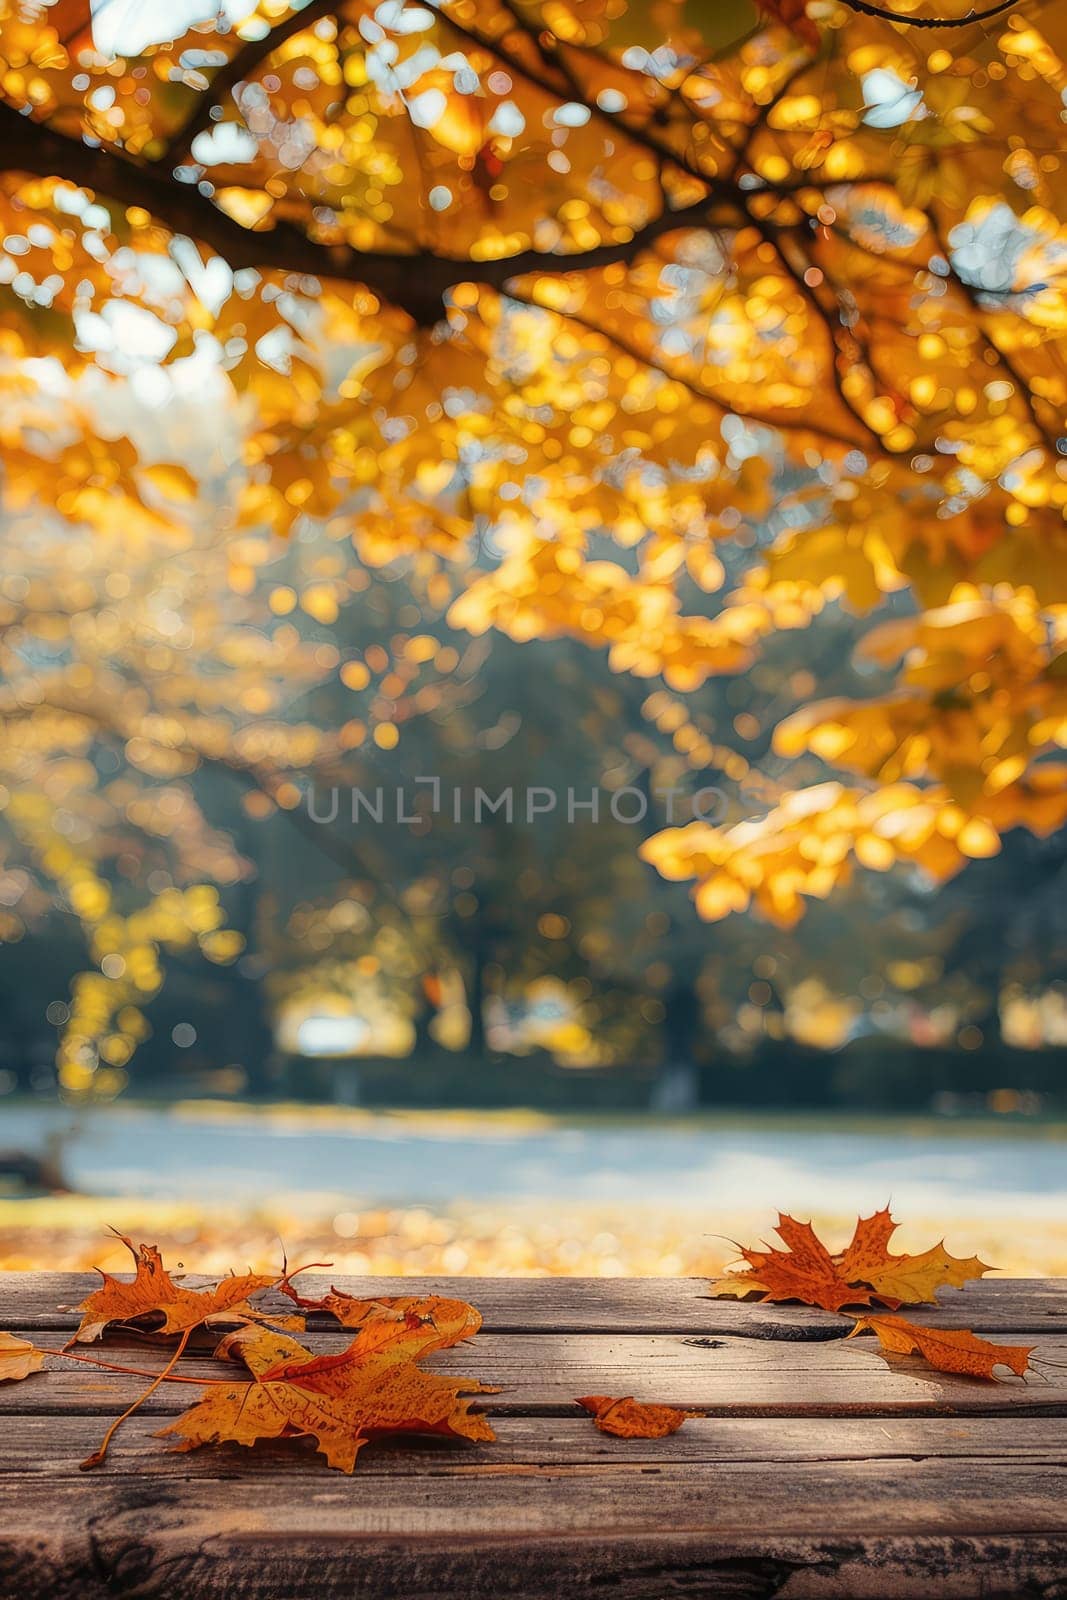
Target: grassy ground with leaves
{"type": "Point", "coordinates": [536, 1238]}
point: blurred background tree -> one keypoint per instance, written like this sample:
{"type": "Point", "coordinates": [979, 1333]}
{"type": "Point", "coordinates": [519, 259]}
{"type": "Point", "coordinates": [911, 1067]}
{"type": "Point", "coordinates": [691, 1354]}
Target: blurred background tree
{"type": "Point", "coordinates": [624, 397]}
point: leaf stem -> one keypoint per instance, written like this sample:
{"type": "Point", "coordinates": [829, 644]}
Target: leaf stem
{"type": "Point", "coordinates": [133, 1372]}
{"type": "Point", "coordinates": [98, 1456]}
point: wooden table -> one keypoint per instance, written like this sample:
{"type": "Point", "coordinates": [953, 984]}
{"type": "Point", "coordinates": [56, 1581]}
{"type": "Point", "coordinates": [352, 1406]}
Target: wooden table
{"type": "Point", "coordinates": [818, 1470]}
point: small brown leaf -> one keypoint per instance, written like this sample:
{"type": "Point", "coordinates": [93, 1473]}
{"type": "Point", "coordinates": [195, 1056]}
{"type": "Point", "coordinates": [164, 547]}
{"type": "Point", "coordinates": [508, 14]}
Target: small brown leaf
{"type": "Point", "coordinates": [793, 14]}
{"type": "Point", "coordinates": [453, 1320]}
{"type": "Point", "coordinates": [630, 1419]}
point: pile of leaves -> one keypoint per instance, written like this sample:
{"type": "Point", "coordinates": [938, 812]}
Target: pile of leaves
{"type": "Point", "coordinates": [374, 1387]}
{"type": "Point", "coordinates": [866, 1274]}
{"type": "Point", "coordinates": [378, 1385]}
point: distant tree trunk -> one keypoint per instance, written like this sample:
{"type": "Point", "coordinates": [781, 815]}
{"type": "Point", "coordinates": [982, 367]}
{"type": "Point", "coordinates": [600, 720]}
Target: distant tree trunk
{"type": "Point", "coordinates": [248, 1030]}
{"type": "Point", "coordinates": [677, 1088]}
{"type": "Point", "coordinates": [250, 1037]}
{"type": "Point", "coordinates": [425, 1010]}
{"type": "Point", "coordinates": [345, 1083]}
{"type": "Point", "coordinates": [425, 1043]}
{"type": "Point", "coordinates": [20, 1049]}
{"type": "Point", "coordinates": [477, 1045]}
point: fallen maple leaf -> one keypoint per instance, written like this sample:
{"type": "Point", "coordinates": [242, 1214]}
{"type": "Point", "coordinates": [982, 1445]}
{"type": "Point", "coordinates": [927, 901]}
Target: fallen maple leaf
{"type": "Point", "coordinates": [630, 1419]}
{"type": "Point", "coordinates": [947, 1349]}
{"type": "Point", "coordinates": [452, 1320]}
{"type": "Point", "coordinates": [373, 1387]}
{"type": "Point", "coordinates": [18, 1358]}
{"type": "Point", "coordinates": [152, 1293]}
{"type": "Point", "coordinates": [903, 1278]}
{"type": "Point", "coordinates": [736, 1286]}
{"type": "Point", "coordinates": [805, 1271]}
{"type": "Point", "coordinates": [864, 1271]}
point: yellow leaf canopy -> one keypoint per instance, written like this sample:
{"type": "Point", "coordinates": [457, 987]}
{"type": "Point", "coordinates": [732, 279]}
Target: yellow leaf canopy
{"type": "Point", "coordinates": [647, 298]}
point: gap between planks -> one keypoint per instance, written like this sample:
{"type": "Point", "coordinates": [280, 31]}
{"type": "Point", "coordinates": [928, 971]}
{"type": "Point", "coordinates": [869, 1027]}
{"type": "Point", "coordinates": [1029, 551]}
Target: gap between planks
{"type": "Point", "coordinates": [595, 1305]}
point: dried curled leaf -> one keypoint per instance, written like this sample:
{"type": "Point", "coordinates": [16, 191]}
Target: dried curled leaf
{"type": "Point", "coordinates": [861, 1273]}
{"type": "Point", "coordinates": [153, 1295]}
{"type": "Point", "coordinates": [373, 1387]}
{"type": "Point", "coordinates": [630, 1419]}
{"type": "Point", "coordinates": [451, 1320]}
{"type": "Point", "coordinates": [947, 1349]}
{"type": "Point", "coordinates": [18, 1358]}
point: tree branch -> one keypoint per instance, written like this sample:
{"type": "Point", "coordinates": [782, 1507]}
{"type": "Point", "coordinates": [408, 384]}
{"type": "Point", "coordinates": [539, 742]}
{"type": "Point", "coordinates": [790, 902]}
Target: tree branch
{"type": "Point", "coordinates": [238, 68]}
{"type": "Point", "coordinates": [782, 239]}
{"type": "Point", "coordinates": [417, 282]}
{"type": "Point", "coordinates": [618, 341]}
{"type": "Point", "coordinates": [865, 9]}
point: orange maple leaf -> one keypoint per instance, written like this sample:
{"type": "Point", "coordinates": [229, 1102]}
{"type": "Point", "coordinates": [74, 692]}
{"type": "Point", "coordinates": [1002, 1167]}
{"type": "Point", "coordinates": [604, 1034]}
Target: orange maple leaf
{"type": "Point", "coordinates": [902, 1278]}
{"type": "Point", "coordinates": [18, 1358]}
{"type": "Point", "coordinates": [451, 1320]}
{"type": "Point", "coordinates": [152, 1295]}
{"type": "Point", "coordinates": [947, 1349]}
{"type": "Point", "coordinates": [805, 1271]}
{"type": "Point", "coordinates": [373, 1387]}
{"type": "Point", "coordinates": [861, 1273]}
{"type": "Point", "coordinates": [630, 1419]}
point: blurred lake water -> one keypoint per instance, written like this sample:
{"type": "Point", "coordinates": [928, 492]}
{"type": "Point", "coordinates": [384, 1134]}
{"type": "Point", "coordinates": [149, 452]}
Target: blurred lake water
{"type": "Point", "coordinates": [242, 1155]}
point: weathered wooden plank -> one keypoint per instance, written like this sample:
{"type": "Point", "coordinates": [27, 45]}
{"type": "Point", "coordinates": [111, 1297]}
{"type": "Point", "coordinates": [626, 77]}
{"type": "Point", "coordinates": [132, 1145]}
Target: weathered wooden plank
{"type": "Point", "coordinates": [624, 1305]}
{"type": "Point", "coordinates": [545, 1371]}
{"type": "Point", "coordinates": [479, 1568]}
{"type": "Point", "coordinates": [803, 1532]}
{"type": "Point", "coordinates": [47, 1446]}
{"type": "Point", "coordinates": [822, 1471]}
{"type": "Point", "coordinates": [636, 1567]}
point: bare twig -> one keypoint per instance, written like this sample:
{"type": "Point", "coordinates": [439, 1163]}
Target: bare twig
{"type": "Point", "coordinates": [865, 9]}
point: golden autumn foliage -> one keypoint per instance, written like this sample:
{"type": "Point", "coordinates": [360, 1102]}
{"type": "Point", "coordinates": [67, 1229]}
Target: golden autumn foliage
{"type": "Point", "coordinates": [809, 843]}
{"type": "Point", "coordinates": [658, 326]}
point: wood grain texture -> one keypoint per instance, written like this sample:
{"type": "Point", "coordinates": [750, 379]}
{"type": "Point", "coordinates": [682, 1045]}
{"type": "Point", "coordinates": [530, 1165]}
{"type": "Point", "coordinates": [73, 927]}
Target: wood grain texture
{"type": "Point", "coordinates": [543, 1372]}
{"type": "Point", "coordinates": [822, 1472]}
{"type": "Point", "coordinates": [598, 1305]}
{"type": "Point", "coordinates": [51, 1446]}
{"type": "Point", "coordinates": [840, 1529]}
